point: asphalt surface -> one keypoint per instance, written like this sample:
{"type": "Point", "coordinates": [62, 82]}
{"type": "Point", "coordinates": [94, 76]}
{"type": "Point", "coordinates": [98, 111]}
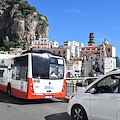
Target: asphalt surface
{"type": "Point", "coordinates": [12, 108]}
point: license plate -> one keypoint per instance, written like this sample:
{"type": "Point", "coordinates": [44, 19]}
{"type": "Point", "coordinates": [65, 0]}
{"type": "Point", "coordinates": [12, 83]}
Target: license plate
{"type": "Point", "coordinates": [48, 96]}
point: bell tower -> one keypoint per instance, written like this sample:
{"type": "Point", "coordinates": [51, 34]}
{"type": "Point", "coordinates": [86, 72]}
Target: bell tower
{"type": "Point", "coordinates": [91, 39]}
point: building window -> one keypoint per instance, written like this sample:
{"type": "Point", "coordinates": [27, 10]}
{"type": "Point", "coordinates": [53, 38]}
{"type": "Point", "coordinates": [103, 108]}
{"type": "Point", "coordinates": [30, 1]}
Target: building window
{"type": "Point", "coordinates": [68, 67]}
{"type": "Point", "coordinates": [53, 51]}
{"type": "Point", "coordinates": [2, 61]}
{"type": "Point", "coordinates": [63, 52]}
{"type": "Point", "coordinates": [96, 63]}
{"type": "Point", "coordinates": [59, 52]}
{"type": "Point", "coordinates": [108, 49]}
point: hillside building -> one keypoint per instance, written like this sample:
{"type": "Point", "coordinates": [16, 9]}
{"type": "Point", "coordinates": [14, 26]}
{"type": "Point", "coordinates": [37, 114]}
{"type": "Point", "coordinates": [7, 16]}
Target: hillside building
{"type": "Point", "coordinates": [97, 58]}
{"type": "Point", "coordinates": [43, 43]}
{"type": "Point", "coordinates": [74, 48]}
{"type": "Point", "coordinates": [54, 44]}
{"type": "Point", "coordinates": [73, 67]}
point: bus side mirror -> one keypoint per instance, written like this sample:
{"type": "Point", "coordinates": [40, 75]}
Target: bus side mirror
{"type": "Point", "coordinates": [11, 66]}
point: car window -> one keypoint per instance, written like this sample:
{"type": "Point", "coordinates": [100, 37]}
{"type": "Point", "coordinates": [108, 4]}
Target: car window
{"type": "Point", "coordinates": [109, 84]}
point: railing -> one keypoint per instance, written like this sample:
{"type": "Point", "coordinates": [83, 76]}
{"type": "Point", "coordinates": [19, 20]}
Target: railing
{"type": "Point", "coordinates": [71, 86]}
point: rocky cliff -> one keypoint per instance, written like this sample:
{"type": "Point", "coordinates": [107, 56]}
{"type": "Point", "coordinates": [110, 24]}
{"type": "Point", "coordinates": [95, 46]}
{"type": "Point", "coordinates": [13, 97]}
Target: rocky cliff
{"type": "Point", "coordinates": [19, 22]}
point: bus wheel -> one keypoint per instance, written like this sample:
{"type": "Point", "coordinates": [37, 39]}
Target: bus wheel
{"type": "Point", "coordinates": [9, 90]}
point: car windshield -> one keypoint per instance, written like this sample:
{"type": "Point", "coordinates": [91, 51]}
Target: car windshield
{"type": "Point", "coordinates": [47, 68]}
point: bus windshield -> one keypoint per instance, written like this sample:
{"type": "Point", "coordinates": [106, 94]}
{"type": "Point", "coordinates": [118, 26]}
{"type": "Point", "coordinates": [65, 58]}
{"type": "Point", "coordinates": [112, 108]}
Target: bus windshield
{"type": "Point", "coordinates": [47, 67]}
{"type": "Point", "coordinates": [56, 68]}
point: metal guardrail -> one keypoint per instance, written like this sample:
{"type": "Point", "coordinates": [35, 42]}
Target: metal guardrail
{"type": "Point", "coordinates": [71, 86]}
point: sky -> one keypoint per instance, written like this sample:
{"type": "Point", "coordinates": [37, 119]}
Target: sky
{"type": "Point", "coordinates": [74, 19]}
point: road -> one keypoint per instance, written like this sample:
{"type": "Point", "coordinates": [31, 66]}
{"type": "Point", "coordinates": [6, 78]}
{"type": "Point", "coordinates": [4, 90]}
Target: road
{"type": "Point", "coordinates": [12, 108]}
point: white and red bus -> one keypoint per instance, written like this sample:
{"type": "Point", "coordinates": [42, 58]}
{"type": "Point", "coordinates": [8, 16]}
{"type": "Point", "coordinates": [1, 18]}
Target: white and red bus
{"type": "Point", "coordinates": [33, 75]}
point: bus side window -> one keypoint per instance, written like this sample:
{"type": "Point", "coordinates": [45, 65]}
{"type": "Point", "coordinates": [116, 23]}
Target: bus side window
{"type": "Point", "coordinates": [1, 73]}
{"type": "Point", "coordinates": [21, 67]}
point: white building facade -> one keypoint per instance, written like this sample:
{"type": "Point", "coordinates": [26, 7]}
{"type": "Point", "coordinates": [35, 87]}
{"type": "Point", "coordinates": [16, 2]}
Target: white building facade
{"type": "Point", "coordinates": [73, 68]}
{"type": "Point", "coordinates": [54, 44]}
{"type": "Point", "coordinates": [74, 48]}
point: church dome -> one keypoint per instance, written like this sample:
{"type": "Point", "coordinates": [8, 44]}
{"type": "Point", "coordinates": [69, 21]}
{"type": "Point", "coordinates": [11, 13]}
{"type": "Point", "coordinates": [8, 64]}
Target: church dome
{"type": "Point", "coordinates": [105, 42]}
{"type": "Point", "coordinates": [81, 45]}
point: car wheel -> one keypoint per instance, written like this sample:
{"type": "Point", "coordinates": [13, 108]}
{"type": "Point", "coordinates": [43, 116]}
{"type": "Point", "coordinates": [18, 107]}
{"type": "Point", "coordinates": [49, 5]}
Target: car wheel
{"type": "Point", "coordinates": [78, 113]}
{"type": "Point", "coordinates": [9, 90]}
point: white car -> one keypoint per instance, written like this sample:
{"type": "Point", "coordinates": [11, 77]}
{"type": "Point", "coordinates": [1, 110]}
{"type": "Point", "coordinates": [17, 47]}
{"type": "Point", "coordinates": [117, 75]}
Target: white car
{"type": "Point", "coordinates": [98, 101]}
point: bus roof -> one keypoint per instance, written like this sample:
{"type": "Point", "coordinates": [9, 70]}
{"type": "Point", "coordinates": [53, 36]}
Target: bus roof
{"type": "Point", "coordinates": [41, 52]}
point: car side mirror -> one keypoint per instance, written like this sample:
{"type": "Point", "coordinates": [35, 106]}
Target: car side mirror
{"type": "Point", "coordinates": [93, 91]}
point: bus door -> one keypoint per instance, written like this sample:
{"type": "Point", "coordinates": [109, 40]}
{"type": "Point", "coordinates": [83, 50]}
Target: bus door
{"type": "Point", "coordinates": [19, 75]}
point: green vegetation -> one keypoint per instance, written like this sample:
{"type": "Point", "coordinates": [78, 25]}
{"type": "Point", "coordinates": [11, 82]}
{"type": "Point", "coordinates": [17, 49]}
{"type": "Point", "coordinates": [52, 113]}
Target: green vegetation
{"type": "Point", "coordinates": [91, 74]}
{"type": "Point", "coordinates": [7, 45]}
{"type": "Point", "coordinates": [24, 9]}
{"type": "Point", "coordinates": [23, 6]}
{"type": "Point", "coordinates": [13, 44]}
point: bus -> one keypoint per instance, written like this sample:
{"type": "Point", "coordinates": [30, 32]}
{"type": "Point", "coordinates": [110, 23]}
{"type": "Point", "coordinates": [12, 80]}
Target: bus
{"type": "Point", "coordinates": [33, 75]}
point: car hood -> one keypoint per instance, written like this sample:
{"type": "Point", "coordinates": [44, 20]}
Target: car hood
{"type": "Point", "coordinates": [78, 92]}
